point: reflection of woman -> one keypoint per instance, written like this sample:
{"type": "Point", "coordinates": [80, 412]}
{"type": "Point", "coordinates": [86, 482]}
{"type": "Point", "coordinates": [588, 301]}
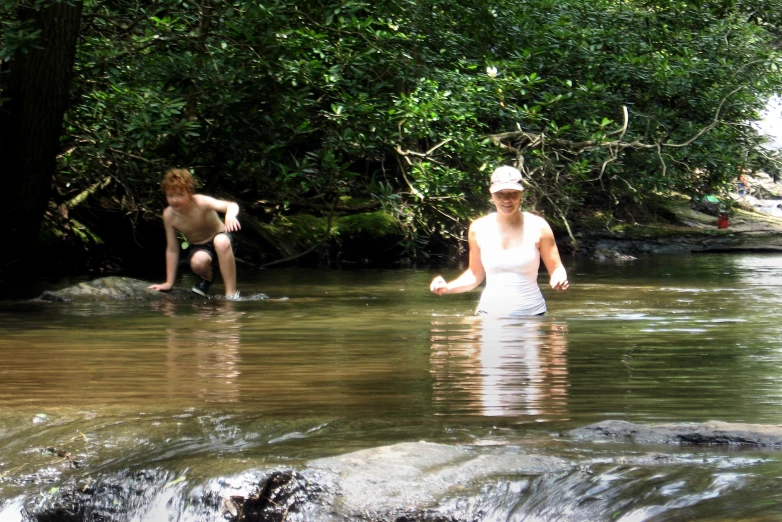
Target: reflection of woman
{"type": "Point", "coordinates": [506, 248]}
{"type": "Point", "coordinates": [500, 367]}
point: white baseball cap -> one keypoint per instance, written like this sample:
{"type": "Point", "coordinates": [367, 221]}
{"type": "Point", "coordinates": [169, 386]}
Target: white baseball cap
{"type": "Point", "coordinates": [505, 178]}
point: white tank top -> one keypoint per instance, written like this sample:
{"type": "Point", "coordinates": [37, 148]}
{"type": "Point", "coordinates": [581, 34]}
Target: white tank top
{"type": "Point", "coordinates": [511, 276]}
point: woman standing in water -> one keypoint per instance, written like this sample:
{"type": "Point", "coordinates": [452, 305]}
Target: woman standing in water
{"type": "Point", "coordinates": [506, 248]}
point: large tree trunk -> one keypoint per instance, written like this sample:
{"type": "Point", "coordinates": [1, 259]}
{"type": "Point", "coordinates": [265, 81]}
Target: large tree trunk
{"type": "Point", "coordinates": [37, 95]}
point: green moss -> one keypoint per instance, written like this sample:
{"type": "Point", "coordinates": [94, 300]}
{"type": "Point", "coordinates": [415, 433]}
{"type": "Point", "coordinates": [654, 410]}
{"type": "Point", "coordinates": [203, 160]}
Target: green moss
{"type": "Point", "coordinates": [351, 202]}
{"type": "Point", "coordinates": [301, 230]}
{"type": "Point", "coordinates": [306, 225]}
{"type": "Point", "coordinates": [595, 220]}
{"type": "Point", "coordinates": [378, 224]}
{"type": "Point", "coordinates": [663, 231]}
{"type": "Point", "coordinates": [290, 234]}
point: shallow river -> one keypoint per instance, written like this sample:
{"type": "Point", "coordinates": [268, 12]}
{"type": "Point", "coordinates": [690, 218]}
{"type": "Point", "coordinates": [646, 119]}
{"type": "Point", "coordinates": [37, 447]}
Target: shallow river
{"type": "Point", "coordinates": [334, 362]}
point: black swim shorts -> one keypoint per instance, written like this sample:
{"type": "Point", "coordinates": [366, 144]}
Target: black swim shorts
{"type": "Point", "coordinates": [209, 248]}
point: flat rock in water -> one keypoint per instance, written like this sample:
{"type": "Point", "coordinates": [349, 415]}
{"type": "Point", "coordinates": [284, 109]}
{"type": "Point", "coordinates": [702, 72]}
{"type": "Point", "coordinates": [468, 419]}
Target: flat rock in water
{"type": "Point", "coordinates": [407, 481]}
{"type": "Point", "coordinates": [417, 481]}
{"type": "Point", "coordinates": [707, 433]}
{"type": "Point", "coordinates": [114, 288]}
{"type": "Point", "coordinates": [407, 478]}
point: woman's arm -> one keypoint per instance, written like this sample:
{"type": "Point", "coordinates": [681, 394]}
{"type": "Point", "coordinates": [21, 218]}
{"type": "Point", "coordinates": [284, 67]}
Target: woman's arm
{"type": "Point", "coordinates": [471, 277]}
{"type": "Point", "coordinates": [549, 253]}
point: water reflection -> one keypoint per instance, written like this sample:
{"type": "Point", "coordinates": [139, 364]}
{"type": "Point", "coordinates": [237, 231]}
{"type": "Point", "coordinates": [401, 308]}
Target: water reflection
{"type": "Point", "coordinates": [761, 271]}
{"type": "Point", "coordinates": [203, 351]}
{"type": "Point", "coordinates": [356, 360]}
{"type": "Point", "coordinates": [500, 366]}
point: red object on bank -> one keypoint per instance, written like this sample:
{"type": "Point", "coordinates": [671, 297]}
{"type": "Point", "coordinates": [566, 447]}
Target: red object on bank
{"type": "Point", "coordinates": [722, 220]}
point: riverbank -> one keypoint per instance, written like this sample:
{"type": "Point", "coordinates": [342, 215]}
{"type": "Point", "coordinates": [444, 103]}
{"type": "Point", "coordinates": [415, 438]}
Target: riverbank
{"type": "Point", "coordinates": [371, 238]}
{"type": "Point", "coordinates": [683, 225]}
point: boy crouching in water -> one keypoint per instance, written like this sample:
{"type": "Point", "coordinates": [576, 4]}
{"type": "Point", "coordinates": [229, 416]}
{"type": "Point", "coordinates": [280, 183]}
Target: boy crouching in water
{"type": "Point", "coordinates": [210, 241]}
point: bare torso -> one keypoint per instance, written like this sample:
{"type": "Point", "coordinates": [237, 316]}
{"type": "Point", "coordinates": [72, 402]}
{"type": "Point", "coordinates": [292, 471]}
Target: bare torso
{"type": "Point", "coordinates": [197, 222]}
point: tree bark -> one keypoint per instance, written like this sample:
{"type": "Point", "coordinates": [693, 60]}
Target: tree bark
{"type": "Point", "coordinates": [36, 93]}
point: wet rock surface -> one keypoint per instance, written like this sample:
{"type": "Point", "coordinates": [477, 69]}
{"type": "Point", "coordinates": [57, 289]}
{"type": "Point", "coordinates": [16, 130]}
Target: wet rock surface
{"type": "Point", "coordinates": [420, 481]}
{"type": "Point", "coordinates": [707, 433]}
{"type": "Point", "coordinates": [407, 481]}
{"type": "Point", "coordinates": [107, 498]}
{"type": "Point", "coordinates": [604, 256]}
{"type": "Point", "coordinates": [114, 288]}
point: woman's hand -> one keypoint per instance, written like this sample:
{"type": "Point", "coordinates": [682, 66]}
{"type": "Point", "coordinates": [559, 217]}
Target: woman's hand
{"type": "Point", "coordinates": [559, 280]}
{"type": "Point", "coordinates": [439, 286]}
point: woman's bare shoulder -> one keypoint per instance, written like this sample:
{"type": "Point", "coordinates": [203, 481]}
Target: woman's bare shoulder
{"type": "Point", "coordinates": [479, 225]}
{"type": "Point", "coordinates": [484, 220]}
{"type": "Point", "coordinates": [538, 226]}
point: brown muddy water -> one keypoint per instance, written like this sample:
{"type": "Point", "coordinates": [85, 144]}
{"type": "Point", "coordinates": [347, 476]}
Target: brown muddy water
{"type": "Point", "coordinates": [334, 362]}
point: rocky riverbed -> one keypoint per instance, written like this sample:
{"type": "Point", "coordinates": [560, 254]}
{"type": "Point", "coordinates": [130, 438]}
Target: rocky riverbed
{"type": "Point", "coordinates": [402, 482]}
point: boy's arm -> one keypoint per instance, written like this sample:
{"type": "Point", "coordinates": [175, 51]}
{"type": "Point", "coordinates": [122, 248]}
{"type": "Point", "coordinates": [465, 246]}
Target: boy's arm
{"type": "Point", "coordinates": [172, 255]}
{"type": "Point", "coordinates": [229, 208]}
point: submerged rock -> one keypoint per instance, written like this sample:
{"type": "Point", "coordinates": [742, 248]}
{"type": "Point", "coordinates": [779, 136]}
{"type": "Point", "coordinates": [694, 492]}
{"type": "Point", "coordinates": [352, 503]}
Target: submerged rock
{"type": "Point", "coordinates": [114, 288]}
{"type": "Point", "coordinates": [407, 481]}
{"type": "Point", "coordinates": [707, 433]}
{"type": "Point", "coordinates": [601, 254]}
{"type": "Point", "coordinates": [425, 482]}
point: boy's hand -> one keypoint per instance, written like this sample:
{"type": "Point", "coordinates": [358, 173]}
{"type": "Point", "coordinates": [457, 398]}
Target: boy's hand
{"type": "Point", "coordinates": [165, 287]}
{"type": "Point", "coordinates": [232, 224]}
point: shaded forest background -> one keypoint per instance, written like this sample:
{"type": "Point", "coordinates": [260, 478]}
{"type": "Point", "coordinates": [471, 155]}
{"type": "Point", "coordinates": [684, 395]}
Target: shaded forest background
{"type": "Point", "coordinates": [362, 133]}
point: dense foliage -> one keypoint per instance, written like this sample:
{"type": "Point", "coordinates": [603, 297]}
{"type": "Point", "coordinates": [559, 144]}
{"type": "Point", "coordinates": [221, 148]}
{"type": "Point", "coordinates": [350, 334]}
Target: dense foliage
{"type": "Point", "coordinates": [296, 106]}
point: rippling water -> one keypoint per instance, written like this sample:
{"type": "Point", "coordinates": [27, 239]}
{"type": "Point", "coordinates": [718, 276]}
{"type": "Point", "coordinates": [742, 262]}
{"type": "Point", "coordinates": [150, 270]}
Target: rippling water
{"type": "Point", "coordinates": [769, 206]}
{"type": "Point", "coordinates": [339, 361]}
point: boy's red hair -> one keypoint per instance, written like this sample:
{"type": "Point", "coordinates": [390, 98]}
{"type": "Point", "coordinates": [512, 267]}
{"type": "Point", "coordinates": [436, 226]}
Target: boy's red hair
{"type": "Point", "coordinates": [178, 179]}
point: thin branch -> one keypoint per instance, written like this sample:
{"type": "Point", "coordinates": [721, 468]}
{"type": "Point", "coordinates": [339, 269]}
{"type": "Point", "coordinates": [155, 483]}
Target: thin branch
{"type": "Point", "coordinates": [404, 174]}
{"type": "Point", "coordinates": [662, 161]}
{"type": "Point", "coordinates": [88, 192]}
{"type": "Point", "coordinates": [455, 220]}
{"type": "Point", "coordinates": [128, 154]}
{"type": "Point", "coordinates": [581, 146]}
{"type": "Point", "coordinates": [430, 151]}
{"type": "Point", "coordinates": [137, 50]}
{"type": "Point", "coordinates": [625, 119]}
{"type": "Point", "coordinates": [710, 126]}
